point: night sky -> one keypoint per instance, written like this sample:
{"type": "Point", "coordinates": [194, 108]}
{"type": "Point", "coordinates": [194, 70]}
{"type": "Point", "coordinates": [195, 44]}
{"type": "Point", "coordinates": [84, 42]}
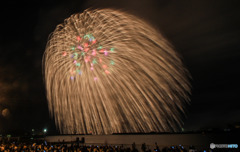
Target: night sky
{"type": "Point", "coordinates": [205, 33]}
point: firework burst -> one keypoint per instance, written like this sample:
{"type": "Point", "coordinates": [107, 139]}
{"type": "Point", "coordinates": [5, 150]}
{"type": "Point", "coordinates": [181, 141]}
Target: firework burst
{"type": "Point", "coordinates": [109, 72]}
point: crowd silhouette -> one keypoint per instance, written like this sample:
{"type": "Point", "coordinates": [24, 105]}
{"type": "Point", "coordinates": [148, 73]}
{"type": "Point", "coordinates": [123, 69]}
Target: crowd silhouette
{"type": "Point", "coordinates": [76, 147]}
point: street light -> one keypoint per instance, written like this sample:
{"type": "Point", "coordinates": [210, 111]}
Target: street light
{"type": "Point", "coordinates": [45, 130]}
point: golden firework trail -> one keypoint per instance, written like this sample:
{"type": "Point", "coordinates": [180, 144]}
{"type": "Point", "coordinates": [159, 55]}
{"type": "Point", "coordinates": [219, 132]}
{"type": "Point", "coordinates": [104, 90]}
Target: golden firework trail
{"type": "Point", "coordinates": [107, 72]}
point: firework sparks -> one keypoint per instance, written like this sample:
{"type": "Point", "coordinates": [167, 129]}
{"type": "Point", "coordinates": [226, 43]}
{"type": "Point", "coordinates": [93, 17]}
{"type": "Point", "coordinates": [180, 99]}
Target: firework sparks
{"type": "Point", "coordinates": [109, 72]}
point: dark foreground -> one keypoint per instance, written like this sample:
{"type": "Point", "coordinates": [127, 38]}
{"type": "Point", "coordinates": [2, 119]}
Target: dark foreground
{"type": "Point", "coordinates": [166, 142]}
{"type": "Point", "coordinates": [74, 147]}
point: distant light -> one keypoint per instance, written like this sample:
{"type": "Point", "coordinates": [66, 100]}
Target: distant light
{"type": "Point", "coordinates": [112, 49]}
{"type": "Point", "coordinates": [86, 49]}
{"type": "Point", "coordinates": [112, 62]}
{"type": "Point", "coordinates": [105, 52]}
{"type": "Point", "coordinates": [94, 52]}
{"type": "Point", "coordinates": [85, 44]}
{"type": "Point", "coordinates": [94, 61]}
{"type": "Point", "coordinates": [33, 130]}
{"type": "Point", "coordinates": [78, 38]}
{"type": "Point", "coordinates": [64, 53]}
{"type": "Point", "coordinates": [94, 41]}
{"type": "Point", "coordinates": [182, 129]}
{"type": "Point", "coordinates": [79, 47]}
{"type": "Point", "coordinates": [44, 130]}
{"type": "Point", "coordinates": [104, 66]}
{"type": "Point", "coordinates": [107, 72]}
{"type": "Point", "coordinates": [237, 126]}
{"type": "Point", "coordinates": [73, 48]}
